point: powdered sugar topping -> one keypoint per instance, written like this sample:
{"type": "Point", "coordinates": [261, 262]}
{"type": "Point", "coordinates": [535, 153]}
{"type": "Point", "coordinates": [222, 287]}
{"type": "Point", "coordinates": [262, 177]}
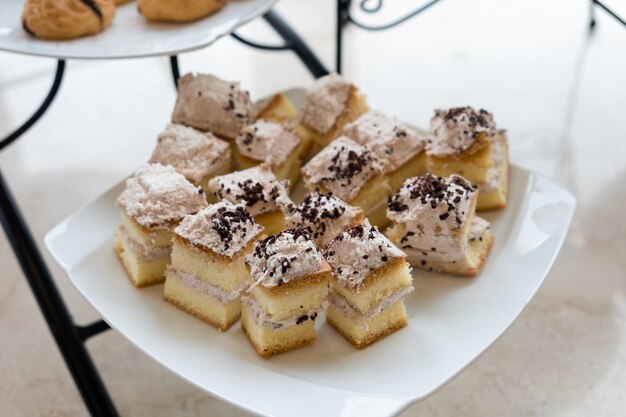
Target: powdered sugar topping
{"type": "Point", "coordinates": [158, 195]}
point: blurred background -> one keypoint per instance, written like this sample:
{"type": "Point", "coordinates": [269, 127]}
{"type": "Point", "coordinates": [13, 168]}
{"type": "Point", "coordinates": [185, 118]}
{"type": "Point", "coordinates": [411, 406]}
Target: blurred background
{"type": "Point", "coordinates": [560, 93]}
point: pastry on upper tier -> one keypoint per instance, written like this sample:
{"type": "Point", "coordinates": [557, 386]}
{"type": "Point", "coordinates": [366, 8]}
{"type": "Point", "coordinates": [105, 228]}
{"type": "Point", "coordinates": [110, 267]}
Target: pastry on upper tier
{"type": "Point", "coordinates": [289, 286]}
{"type": "Point", "coordinates": [324, 215]}
{"type": "Point", "coordinates": [156, 198]}
{"type": "Point", "coordinates": [352, 173]}
{"type": "Point", "coordinates": [466, 142]}
{"type": "Point", "coordinates": [370, 280]}
{"type": "Point", "coordinates": [177, 10]}
{"type": "Point", "coordinates": [259, 189]}
{"type": "Point", "coordinates": [277, 108]}
{"type": "Point", "coordinates": [399, 148]}
{"type": "Point", "coordinates": [279, 145]}
{"type": "Point", "coordinates": [208, 270]}
{"type": "Point", "coordinates": [209, 103]}
{"type": "Point", "coordinates": [434, 222]}
{"type": "Point", "coordinates": [199, 156]}
{"type": "Point", "coordinates": [66, 19]}
{"type": "Point", "coordinates": [330, 104]}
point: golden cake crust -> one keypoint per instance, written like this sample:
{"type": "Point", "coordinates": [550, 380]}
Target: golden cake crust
{"type": "Point", "coordinates": [373, 276]}
{"type": "Point", "coordinates": [178, 10]}
{"type": "Point", "coordinates": [118, 251]}
{"type": "Point", "coordinates": [295, 284]}
{"type": "Point", "coordinates": [362, 344]}
{"type": "Point", "coordinates": [66, 19]}
{"type": "Point", "coordinates": [222, 258]}
{"type": "Point", "coordinates": [183, 307]}
{"type": "Point", "coordinates": [269, 352]}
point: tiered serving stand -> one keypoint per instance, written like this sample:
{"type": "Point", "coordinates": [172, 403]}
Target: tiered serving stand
{"type": "Point", "coordinates": [452, 321]}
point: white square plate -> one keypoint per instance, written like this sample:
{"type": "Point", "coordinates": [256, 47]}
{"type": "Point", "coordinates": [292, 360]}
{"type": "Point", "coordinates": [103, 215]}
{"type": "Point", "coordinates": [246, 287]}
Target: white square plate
{"type": "Point", "coordinates": [452, 321]}
{"type": "Point", "coordinates": [130, 34]}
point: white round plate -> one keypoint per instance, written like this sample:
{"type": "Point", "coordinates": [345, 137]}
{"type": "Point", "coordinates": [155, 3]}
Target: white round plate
{"type": "Point", "coordinates": [130, 35]}
{"type": "Point", "coordinates": [452, 321]}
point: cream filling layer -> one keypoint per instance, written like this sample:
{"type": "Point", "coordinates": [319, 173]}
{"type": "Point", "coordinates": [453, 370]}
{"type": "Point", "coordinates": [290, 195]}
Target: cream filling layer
{"type": "Point", "coordinates": [142, 251]}
{"type": "Point", "coordinates": [261, 318]}
{"type": "Point", "coordinates": [360, 319]}
{"type": "Point", "coordinates": [201, 286]}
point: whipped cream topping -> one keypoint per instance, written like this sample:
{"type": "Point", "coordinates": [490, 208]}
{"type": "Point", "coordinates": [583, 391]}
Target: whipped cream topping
{"type": "Point", "coordinates": [392, 141]}
{"type": "Point", "coordinates": [224, 228]}
{"type": "Point", "coordinates": [325, 102]}
{"type": "Point", "coordinates": [195, 283]}
{"type": "Point", "coordinates": [430, 211]}
{"type": "Point", "coordinates": [478, 228]}
{"type": "Point", "coordinates": [263, 319]}
{"type": "Point", "coordinates": [342, 167]}
{"type": "Point", "coordinates": [267, 141]}
{"type": "Point", "coordinates": [455, 130]}
{"type": "Point", "coordinates": [256, 187]}
{"type": "Point", "coordinates": [209, 103]}
{"type": "Point", "coordinates": [359, 318]}
{"type": "Point", "coordinates": [287, 256]}
{"type": "Point", "coordinates": [355, 253]}
{"type": "Point", "coordinates": [498, 149]}
{"type": "Point", "coordinates": [157, 195]}
{"type": "Point", "coordinates": [142, 251]}
{"type": "Point", "coordinates": [193, 153]}
{"type": "Point", "coordinates": [324, 215]}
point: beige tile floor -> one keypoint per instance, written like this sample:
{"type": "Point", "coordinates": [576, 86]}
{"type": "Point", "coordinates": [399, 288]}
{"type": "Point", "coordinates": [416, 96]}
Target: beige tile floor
{"type": "Point", "coordinates": [561, 95]}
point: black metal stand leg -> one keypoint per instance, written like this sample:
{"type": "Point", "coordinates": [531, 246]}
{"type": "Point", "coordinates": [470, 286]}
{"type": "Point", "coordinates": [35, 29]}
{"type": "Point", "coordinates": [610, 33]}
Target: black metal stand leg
{"type": "Point", "coordinates": [296, 44]}
{"type": "Point", "coordinates": [592, 16]}
{"type": "Point", "coordinates": [343, 9]}
{"type": "Point", "coordinates": [175, 69]}
{"type": "Point", "coordinates": [69, 337]}
{"type": "Point", "coordinates": [58, 77]}
{"type": "Point", "coordinates": [53, 308]}
{"type": "Point", "coordinates": [598, 3]}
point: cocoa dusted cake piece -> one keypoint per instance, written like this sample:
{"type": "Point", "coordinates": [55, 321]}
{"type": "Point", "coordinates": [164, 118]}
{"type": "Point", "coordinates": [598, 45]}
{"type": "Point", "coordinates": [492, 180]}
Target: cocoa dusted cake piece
{"type": "Point", "coordinates": [330, 103]}
{"type": "Point", "coordinates": [352, 173]}
{"type": "Point", "coordinates": [434, 222]}
{"type": "Point", "coordinates": [289, 286]}
{"type": "Point", "coordinates": [155, 200]}
{"type": "Point", "coordinates": [279, 145]}
{"type": "Point", "coordinates": [208, 270]}
{"type": "Point", "coordinates": [259, 190]}
{"type": "Point", "coordinates": [208, 103]}
{"type": "Point", "coordinates": [199, 156]}
{"type": "Point", "coordinates": [370, 280]}
{"type": "Point", "coordinates": [323, 214]}
{"type": "Point", "coordinates": [400, 148]}
{"type": "Point", "coordinates": [466, 142]}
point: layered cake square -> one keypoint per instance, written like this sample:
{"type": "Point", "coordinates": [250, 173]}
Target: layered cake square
{"type": "Point", "coordinates": [199, 156]}
{"type": "Point", "coordinates": [370, 280]}
{"type": "Point", "coordinates": [466, 142]}
{"type": "Point", "coordinates": [208, 103]}
{"type": "Point", "coordinates": [259, 190]}
{"type": "Point", "coordinates": [208, 270]}
{"type": "Point", "coordinates": [352, 173]}
{"type": "Point", "coordinates": [323, 214]}
{"type": "Point", "coordinates": [331, 103]}
{"type": "Point", "coordinates": [400, 149]}
{"type": "Point", "coordinates": [278, 145]}
{"type": "Point", "coordinates": [277, 108]}
{"type": "Point", "coordinates": [289, 278]}
{"type": "Point", "coordinates": [435, 223]}
{"type": "Point", "coordinates": [155, 200]}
